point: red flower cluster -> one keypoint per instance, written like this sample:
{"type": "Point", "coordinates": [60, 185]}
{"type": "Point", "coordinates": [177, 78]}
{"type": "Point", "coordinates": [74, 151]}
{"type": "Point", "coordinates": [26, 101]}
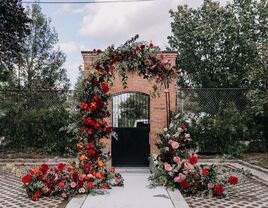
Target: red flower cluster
{"type": "Point", "coordinates": [218, 190]}
{"type": "Point", "coordinates": [233, 180]}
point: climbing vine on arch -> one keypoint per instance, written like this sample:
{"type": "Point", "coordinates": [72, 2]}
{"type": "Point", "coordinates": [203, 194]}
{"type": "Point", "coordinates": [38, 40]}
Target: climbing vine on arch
{"type": "Point", "coordinates": [91, 171]}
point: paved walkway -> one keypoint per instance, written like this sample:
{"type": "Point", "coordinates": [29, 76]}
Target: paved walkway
{"type": "Point", "coordinates": [135, 194]}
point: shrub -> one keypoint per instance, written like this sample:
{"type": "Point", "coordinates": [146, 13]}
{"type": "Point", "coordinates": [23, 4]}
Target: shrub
{"type": "Point", "coordinates": [37, 129]}
{"type": "Point", "coordinates": [222, 133]}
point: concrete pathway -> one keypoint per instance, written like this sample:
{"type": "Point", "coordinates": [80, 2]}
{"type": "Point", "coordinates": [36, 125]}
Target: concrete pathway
{"type": "Point", "coordinates": [135, 194]}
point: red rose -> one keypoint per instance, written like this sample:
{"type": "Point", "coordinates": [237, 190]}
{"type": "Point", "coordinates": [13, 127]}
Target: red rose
{"type": "Point", "coordinates": [90, 146]}
{"type": "Point", "coordinates": [205, 172]}
{"type": "Point", "coordinates": [80, 183]}
{"type": "Point", "coordinates": [89, 121]}
{"type": "Point", "coordinates": [218, 190]}
{"type": "Point", "coordinates": [61, 185]}
{"type": "Point", "coordinates": [44, 168]}
{"type": "Point", "coordinates": [40, 178]}
{"type": "Point", "coordinates": [87, 166]}
{"type": "Point", "coordinates": [75, 176]}
{"type": "Point", "coordinates": [182, 126]}
{"type": "Point", "coordinates": [151, 45]}
{"type": "Point", "coordinates": [82, 129]}
{"type": "Point", "coordinates": [98, 67]}
{"type": "Point", "coordinates": [90, 131]}
{"type": "Point", "coordinates": [99, 51]}
{"type": "Point", "coordinates": [69, 169]}
{"type": "Point", "coordinates": [105, 87]}
{"type": "Point", "coordinates": [233, 180]}
{"type": "Point", "coordinates": [38, 194]}
{"type": "Point", "coordinates": [97, 126]}
{"type": "Point", "coordinates": [193, 160]}
{"type": "Point", "coordinates": [91, 152]}
{"type": "Point", "coordinates": [83, 106]}
{"type": "Point", "coordinates": [93, 106]}
{"type": "Point", "coordinates": [112, 170]}
{"type": "Point", "coordinates": [184, 184]}
{"type": "Point", "coordinates": [26, 179]}
{"type": "Point", "coordinates": [182, 165]}
{"type": "Point", "coordinates": [142, 46]}
{"type": "Point", "coordinates": [34, 198]}
{"type": "Point", "coordinates": [138, 48]}
{"type": "Point", "coordinates": [61, 166]}
{"type": "Point", "coordinates": [89, 185]}
{"type": "Point", "coordinates": [109, 129]}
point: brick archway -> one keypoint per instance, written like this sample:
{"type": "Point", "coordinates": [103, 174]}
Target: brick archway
{"type": "Point", "coordinates": [136, 83]}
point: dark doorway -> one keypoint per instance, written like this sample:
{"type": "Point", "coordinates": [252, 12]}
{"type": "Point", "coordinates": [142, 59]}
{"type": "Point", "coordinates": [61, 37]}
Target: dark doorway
{"type": "Point", "coordinates": [131, 124]}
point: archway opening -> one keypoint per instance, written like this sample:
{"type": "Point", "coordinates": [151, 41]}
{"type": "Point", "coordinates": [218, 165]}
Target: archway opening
{"type": "Point", "coordinates": [131, 123]}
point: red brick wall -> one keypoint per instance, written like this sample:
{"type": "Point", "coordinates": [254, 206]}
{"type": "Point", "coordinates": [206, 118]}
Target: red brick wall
{"type": "Point", "coordinates": [138, 84]}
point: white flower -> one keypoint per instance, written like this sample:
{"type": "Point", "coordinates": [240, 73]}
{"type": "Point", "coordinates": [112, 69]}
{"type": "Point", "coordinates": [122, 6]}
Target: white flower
{"type": "Point", "coordinates": [187, 136]}
{"type": "Point", "coordinates": [82, 190]}
{"type": "Point", "coordinates": [168, 135]}
{"type": "Point", "coordinates": [179, 129]}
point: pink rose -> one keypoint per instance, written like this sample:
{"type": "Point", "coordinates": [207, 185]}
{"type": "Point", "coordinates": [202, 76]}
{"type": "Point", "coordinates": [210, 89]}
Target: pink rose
{"type": "Point", "coordinates": [170, 141]}
{"type": "Point", "coordinates": [210, 185]}
{"type": "Point", "coordinates": [73, 184]}
{"type": "Point", "coordinates": [179, 178]}
{"type": "Point", "coordinates": [165, 129]}
{"type": "Point", "coordinates": [82, 177]}
{"type": "Point", "coordinates": [175, 145]}
{"type": "Point", "coordinates": [168, 167]}
{"type": "Point", "coordinates": [176, 159]}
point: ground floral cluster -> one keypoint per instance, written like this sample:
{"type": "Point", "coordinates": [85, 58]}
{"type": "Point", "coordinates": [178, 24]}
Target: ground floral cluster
{"type": "Point", "coordinates": [177, 167]}
{"type": "Point", "coordinates": [91, 172]}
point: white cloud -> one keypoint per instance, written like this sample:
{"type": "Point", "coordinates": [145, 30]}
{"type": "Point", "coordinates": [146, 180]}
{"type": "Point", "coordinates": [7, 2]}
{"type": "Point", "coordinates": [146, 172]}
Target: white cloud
{"type": "Point", "coordinates": [70, 8]}
{"type": "Point", "coordinates": [114, 23]}
{"type": "Point", "coordinates": [68, 47]}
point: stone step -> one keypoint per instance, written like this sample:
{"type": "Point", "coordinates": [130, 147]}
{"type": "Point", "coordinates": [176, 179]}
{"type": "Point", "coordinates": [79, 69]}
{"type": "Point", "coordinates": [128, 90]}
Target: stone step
{"type": "Point", "coordinates": [132, 169]}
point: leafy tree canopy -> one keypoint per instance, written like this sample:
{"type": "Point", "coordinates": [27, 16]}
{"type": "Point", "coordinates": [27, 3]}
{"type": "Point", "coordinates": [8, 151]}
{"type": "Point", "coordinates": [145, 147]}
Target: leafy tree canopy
{"type": "Point", "coordinates": [13, 29]}
{"type": "Point", "coordinates": [41, 65]}
{"type": "Point", "coordinates": [221, 46]}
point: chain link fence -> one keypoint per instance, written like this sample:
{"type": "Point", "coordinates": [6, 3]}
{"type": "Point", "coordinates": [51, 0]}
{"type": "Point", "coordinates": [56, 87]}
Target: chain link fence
{"type": "Point", "coordinates": [221, 119]}
{"type": "Point", "coordinates": [210, 101]}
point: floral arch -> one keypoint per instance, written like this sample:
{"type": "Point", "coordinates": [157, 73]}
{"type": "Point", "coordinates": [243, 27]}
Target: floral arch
{"type": "Point", "coordinates": [91, 171]}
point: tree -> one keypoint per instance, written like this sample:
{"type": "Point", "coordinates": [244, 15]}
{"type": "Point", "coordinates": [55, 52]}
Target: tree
{"type": "Point", "coordinates": [41, 65]}
{"type": "Point", "coordinates": [37, 116]}
{"type": "Point", "coordinates": [218, 46]}
{"type": "Point", "coordinates": [13, 29]}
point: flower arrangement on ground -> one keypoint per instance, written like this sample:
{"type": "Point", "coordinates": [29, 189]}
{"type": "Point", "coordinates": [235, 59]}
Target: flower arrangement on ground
{"type": "Point", "coordinates": [176, 165]}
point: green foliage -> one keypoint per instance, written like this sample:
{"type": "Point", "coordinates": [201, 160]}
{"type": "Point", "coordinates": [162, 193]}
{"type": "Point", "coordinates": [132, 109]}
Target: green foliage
{"type": "Point", "coordinates": [219, 46]}
{"type": "Point", "coordinates": [38, 129]}
{"type": "Point", "coordinates": [36, 115]}
{"type": "Point", "coordinates": [41, 65]}
{"type": "Point", "coordinates": [12, 34]}
{"type": "Point", "coordinates": [221, 133]}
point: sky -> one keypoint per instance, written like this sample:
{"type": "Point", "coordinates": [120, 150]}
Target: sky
{"type": "Point", "coordinates": [83, 27]}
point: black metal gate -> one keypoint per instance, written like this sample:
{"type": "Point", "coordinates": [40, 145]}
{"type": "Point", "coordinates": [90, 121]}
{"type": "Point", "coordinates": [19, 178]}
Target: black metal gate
{"type": "Point", "coordinates": [131, 124]}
